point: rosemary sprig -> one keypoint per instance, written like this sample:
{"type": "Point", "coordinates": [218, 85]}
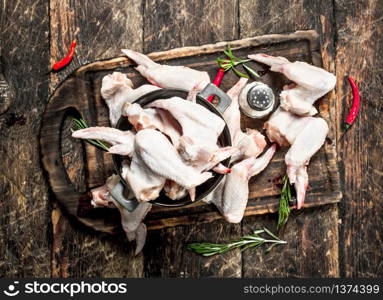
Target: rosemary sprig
{"type": "Point", "coordinates": [234, 61]}
{"type": "Point", "coordinates": [284, 207]}
{"type": "Point", "coordinates": [248, 241]}
{"type": "Point", "coordinates": [81, 124]}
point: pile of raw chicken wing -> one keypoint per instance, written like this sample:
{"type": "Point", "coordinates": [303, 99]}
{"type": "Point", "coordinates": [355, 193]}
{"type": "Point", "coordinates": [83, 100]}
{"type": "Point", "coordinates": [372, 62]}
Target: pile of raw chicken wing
{"type": "Point", "coordinates": [173, 145]}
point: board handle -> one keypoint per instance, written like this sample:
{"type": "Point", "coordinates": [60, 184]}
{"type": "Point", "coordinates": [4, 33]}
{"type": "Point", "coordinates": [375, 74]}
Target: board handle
{"type": "Point", "coordinates": [50, 141]}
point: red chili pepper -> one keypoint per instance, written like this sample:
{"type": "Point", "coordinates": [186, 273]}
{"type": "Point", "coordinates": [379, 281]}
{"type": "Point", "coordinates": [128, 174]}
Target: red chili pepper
{"type": "Point", "coordinates": [217, 81]}
{"type": "Point", "coordinates": [67, 59]}
{"type": "Point", "coordinates": [355, 104]}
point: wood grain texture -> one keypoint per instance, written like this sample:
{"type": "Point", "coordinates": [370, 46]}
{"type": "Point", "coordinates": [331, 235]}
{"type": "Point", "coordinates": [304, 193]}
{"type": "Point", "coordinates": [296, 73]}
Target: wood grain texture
{"type": "Point", "coordinates": [170, 24]}
{"type": "Point", "coordinates": [24, 205]}
{"type": "Point", "coordinates": [274, 17]}
{"type": "Point", "coordinates": [309, 253]}
{"type": "Point", "coordinates": [7, 94]}
{"type": "Point", "coordinates": [190, 23]}
{"type": "Point", "coordinates": [86, 81]}
{"type": "Point", "coordinates": [80, 252]}
{"type": "Point", "coordinates": [279, 16]}
{"type": "Point", "coordinates": [359, 54]}
{"type": "Point", "coordinates": [351, 37]}
{"type": "Point", "coordinates": [101, 29]}
{"type": "Point", "coordinates": [167, 255]}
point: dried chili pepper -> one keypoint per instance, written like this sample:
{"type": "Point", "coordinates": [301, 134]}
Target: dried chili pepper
{"type": "Point", "coordinates": [218, 78]}
{"type": "Point", "coordinates": [67, 59]}
{"type": "Point", "coordinates": [217, 81]}
{"type": "Point", "coordinates": [355, 104]}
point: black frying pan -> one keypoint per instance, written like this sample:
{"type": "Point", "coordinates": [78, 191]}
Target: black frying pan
{"type": "Point", "coordinates": [224, 139]}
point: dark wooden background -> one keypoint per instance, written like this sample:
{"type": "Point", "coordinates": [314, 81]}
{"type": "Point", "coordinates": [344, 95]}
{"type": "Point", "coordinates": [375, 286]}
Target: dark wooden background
{"type": "Point", "coordinates": [331, 241]}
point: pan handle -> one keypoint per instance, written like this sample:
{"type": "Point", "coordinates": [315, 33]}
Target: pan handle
{"type": "Point", "coordinates": [224, 99]}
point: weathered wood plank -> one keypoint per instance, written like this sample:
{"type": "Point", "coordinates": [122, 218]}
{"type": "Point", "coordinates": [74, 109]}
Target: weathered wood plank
{"type": "Point", "coordinates": [24, 206]}
{"type": "Point", "coordinates": [101, 29]}
{"type": "Point", "coordinates": [166, 253]}
{"type": "Point", "coordinates": [359, 55]}
{"type": "Point", "coordinates": [359, 32]}
{"type": "Point", "coordinates": [170, 24]}
{"type": "Point", "coordinates": [307, 254]}
{"type": "Point", "coordinates": [277, 16]}
{"type": "Point", "coordinates": [80, 252]}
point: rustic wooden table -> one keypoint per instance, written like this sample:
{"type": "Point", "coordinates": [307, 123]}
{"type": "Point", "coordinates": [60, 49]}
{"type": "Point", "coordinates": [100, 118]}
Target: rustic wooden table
{"type": "Point", "coordinates": [334, 240]}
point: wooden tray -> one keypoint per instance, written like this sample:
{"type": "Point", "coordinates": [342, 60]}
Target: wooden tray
{"type": "Point", "coordinates": [74, 167]}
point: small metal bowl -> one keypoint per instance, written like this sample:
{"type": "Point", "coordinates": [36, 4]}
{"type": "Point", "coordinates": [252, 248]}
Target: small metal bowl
{"type": "Point", "coordinates": [224, 140]}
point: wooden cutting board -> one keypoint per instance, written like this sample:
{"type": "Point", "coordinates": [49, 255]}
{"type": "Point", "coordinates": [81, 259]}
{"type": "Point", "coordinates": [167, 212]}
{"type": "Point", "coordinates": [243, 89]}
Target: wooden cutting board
{"type": "Point", "coordinates": [74, 167]}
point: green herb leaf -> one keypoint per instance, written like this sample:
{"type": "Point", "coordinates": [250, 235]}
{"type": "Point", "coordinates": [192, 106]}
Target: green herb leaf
{"type": "Point", "coordinates": [251, 71]}
{"type": "Point", "coordinates": [229, 53]}
{"type": "Point", "coordinates": [270, 233]}
{"type": "Point", "coordinates": [81, 124]}
{"type": "Point", "coordinates": [240, 74]}
{"type": "Point", "coordinates": [224, 63]}
{"type": "Point", "coordinates": [234, 61]}
{"type": "Point", "coordinates": [284, 206]}
{"type": "Point", "coordinates": [248, 241]}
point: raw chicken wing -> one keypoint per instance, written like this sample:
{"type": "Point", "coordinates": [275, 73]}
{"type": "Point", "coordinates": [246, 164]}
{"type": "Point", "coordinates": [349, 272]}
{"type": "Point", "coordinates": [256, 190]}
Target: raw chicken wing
{"type": "Point", "coordinates": [232, 195]}
{"type": "Point", "coordinates": [178, 77]}
{"type": "Point", "coordinates": [283, 127]}
{"type": "Point", "coordinates": [131, 221]}
{"type": "Point", "coordinates": [145, 184]}
{"type": "Point", "coordinates": [150, 118]}
{"type": "Point", "coordinates": [164, 160]}
{"type": "Point", "coordinates": [309, 140]}
{"type": "Point", "coordinates": [306, 135]}
{"type": "Point", "coordinates": [117, 89]}
{"type": "Point", "coordinates": [122, 141]}
{"type": "Point", "coordinates": [198, 141]}
{"type": "Point", "coordinates": [311, 83]}
{"type": "Point", "coordinates": [290, 125]}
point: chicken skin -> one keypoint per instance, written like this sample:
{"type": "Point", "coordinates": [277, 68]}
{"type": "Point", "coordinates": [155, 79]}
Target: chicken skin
{"type": "Point", "coordinates": [171, 77]}
{"type": "Point", "coordinates": [291, 124]}
{"type": "Point", "coordinates": [310, 83]}
{"type": "Point", "coordinates": [117, 89]}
